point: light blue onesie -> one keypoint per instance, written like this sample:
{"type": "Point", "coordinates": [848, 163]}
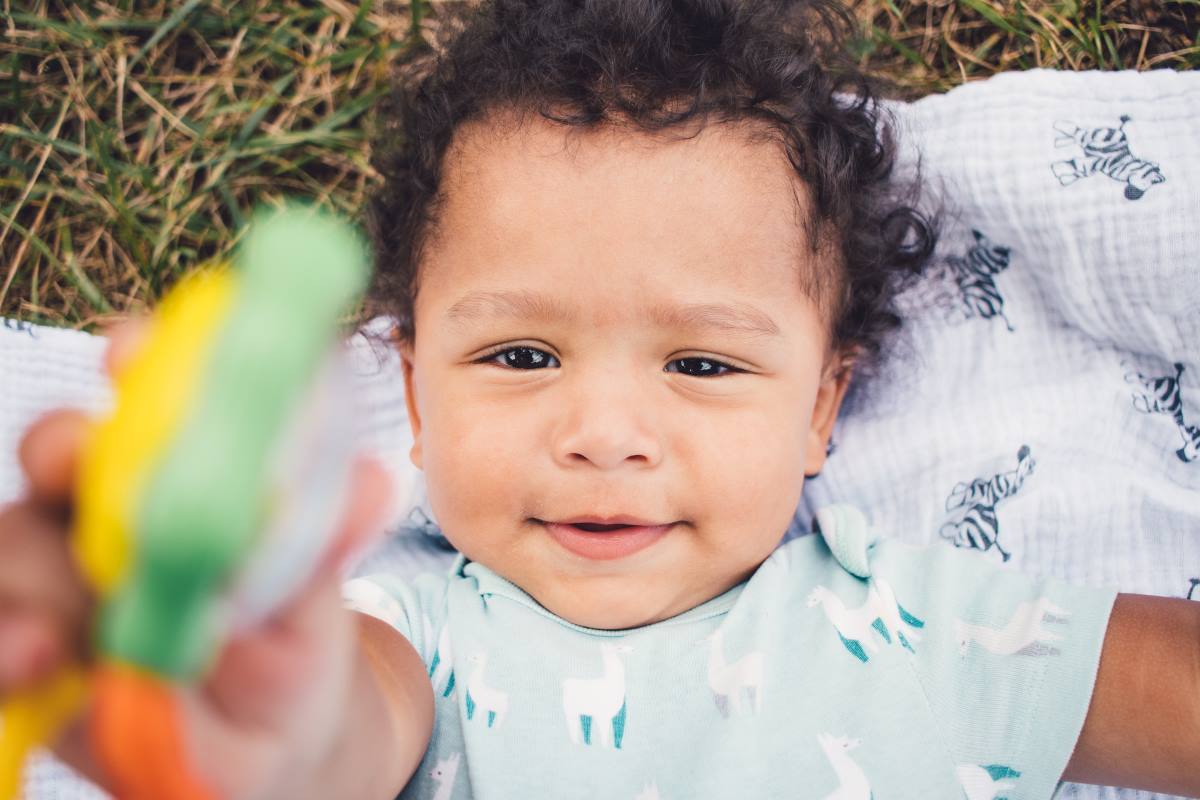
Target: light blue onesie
{"type": "Point", "coordinates": [848, 666]}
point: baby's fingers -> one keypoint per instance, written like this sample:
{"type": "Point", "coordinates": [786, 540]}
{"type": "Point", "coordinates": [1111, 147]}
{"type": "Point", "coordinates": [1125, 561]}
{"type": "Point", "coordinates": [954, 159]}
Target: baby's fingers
{"type": "Point", "coordinates": [124, 340]}
{"type": "Point", "coordinates": [49, 450]}
{"type": "Point", "coordinates": [366, 513]}
{"type": "Point", "coordinates": [49, 453]}
{"type": "Point", "coordinates": [43, 602]}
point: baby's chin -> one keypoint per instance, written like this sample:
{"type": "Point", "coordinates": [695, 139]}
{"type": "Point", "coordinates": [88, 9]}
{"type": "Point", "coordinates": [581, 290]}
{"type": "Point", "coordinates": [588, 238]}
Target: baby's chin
{"type": "Point", "coordinates": [616, 607]}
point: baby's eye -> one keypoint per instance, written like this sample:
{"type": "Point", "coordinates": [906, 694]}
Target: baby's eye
{"type": "Point", "coordinates": [518, 358]}
{"type": "Point", "coordinates": [699, 367]}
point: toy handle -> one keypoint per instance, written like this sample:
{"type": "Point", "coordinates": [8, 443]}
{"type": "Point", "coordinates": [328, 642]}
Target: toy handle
{"type": "Point", "coordinates": [310, 475]}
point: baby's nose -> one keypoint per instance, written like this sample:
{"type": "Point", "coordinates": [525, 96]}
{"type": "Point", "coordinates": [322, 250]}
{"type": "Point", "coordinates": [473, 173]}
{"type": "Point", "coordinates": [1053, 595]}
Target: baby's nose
{"type": "Point", "coordinates": [609, 426]}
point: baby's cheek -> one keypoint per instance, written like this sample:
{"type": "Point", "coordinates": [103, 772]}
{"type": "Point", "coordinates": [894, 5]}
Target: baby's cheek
{"type": "Point", "coordinates": [760, 484]}
{"type": "Point", "coordinates": [472, 463]}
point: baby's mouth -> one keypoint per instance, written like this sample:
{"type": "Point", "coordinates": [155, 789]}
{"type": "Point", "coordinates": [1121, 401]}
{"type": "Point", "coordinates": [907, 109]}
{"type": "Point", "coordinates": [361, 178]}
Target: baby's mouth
{"type": "Point", "coordinates": [605, 540]}
{"type": "Point", "coordinates": [596, 527]}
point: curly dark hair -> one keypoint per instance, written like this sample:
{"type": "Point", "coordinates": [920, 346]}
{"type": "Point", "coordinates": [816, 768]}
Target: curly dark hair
{"type": "Point", "coordinates": [656, 65]}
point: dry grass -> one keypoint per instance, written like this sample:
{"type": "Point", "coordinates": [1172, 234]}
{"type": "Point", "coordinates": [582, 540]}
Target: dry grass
{"type": "Point", "coordinates": [136, 136]}
{"type": "Point", "coordinates": [934, 46]}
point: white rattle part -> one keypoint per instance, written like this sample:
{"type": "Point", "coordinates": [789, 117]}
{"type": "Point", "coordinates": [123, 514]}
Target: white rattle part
{"type": "Point", "coordinates": [309, 476]}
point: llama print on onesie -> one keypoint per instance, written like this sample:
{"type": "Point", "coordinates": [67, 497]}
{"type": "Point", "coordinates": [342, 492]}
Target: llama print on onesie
{"type": "Point", "coordinates": [1193, 583]}
{"type": "Point", "coordinates": [1162, 395]}
{"type": "Point", "coordinates": [973, 505]}
{"type": "Point", "coordinates": [1025, 633]}
{"type": "Point", "coordinates": [1105, 150]}
{"type": "Point", "coordinates": [879, 615]}
{"type": "Point", "coordinates": [780, 560]}
{"type": "Point", "coordinates": [444, 774]}
{"type": "Point", "coordinates": [852, 781]}
{"type": "Point", "coordinates": [649, 792]}
{"type": "Point", "coordinates": [371, 599]}
{"type": "Point", "coordinates": [730, 682]}
{"type": "Point", "coordinates": [986, 782]}
{"type": "Point", "coordinates": [595, 707]}
{"type": "Point", "coordinates": [481, 697]}
{"type": "Point", "coordinates": [893, 616]}
{"type": "Point", "coordinates": [441, 669]}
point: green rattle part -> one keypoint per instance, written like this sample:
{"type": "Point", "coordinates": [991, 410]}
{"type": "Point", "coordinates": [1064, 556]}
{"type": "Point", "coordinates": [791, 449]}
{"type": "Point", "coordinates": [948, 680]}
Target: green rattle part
{"type": "Point", "coordinates": [207, 502]}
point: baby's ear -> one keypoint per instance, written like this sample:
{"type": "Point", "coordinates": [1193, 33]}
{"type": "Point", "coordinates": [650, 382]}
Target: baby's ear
{"type": "Point", "coordinates": [834, 383]}
{"type": "Point", "coordinates": [410, 400]}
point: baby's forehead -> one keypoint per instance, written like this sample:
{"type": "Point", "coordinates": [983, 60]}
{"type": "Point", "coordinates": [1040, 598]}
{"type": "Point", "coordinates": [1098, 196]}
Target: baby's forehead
{"type": "Point", "coordinates": [499, 149]}
{"type": "Point", "coordinates": [720, 196]}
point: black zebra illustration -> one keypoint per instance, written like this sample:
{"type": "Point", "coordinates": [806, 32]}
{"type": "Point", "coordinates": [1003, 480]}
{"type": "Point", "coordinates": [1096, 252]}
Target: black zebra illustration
{"type": "Point", "coordinates": [976, 274]}
{"type": "Point", "coordinates": [20, 326]}
{"type": "Point", "coordinates": [1105, 150]}
{"type": "Point", "coordinates": [829, 449]}
{"type": "Point", "coordinates": [977, 525]}
{"type": "Point", "coordinates": [1194, 583]}
{"type": "Point", "coordinates": [1162, 395]}
{"type": "Point", "coordinates": [421, 522]}
{"type": "Point", "coordinates": [973, 274]}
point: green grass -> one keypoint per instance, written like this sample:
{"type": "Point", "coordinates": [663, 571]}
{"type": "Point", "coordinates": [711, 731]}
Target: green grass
{"type": "Point", "coordinates": [135, 137]}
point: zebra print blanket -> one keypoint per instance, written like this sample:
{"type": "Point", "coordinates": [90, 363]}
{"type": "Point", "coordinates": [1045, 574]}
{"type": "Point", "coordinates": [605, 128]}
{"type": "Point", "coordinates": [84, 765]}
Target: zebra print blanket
{"type": "Point", "coordinates": [1043, 406]}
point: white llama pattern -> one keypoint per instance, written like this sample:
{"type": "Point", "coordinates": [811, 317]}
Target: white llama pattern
{"type": "Point", "coordinates": [482, 696]}
{"type": "Point", "coordinates": [893, 616]}
{"type": "Point", "coordinates": [371, 599]}
{"type": "Point", "coordinates": [591, 704]}
{"type": "Point", "coordinates": [441, 667]}
{"type": "Point", "coordinates": [650, 792]}
{"type": "Point", "coordinates": [444, 774]}
{"type": "Point", "coordinates": [985, 783]}
{"type": "Point", "coordinates": [880, 613]}
{"type": "Point", "coordinates": [730, 681]}
{"type": "Point", "coordinates": [1023, 635]}
{"type": "Point", "coordinates": [780, 559]}
{"type": "Point", "coordinates": [852, 782]}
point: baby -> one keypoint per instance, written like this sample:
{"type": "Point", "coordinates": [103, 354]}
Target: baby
{"type": "Point", "coordinates": [636, 249]}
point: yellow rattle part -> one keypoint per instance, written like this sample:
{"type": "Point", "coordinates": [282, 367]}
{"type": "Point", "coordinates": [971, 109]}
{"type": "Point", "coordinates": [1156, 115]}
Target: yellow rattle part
{"type": "Point", "coordinates": [156, 389]}
{"type": "Point", "coordinates": [34, 718]}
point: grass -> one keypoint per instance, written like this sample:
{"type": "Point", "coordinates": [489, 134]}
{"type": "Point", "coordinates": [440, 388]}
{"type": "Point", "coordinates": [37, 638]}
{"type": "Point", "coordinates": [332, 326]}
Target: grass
{"type": "Point", "coordinates": [935, 46]}
{"type": "Point", "coordinates": [135, 136]}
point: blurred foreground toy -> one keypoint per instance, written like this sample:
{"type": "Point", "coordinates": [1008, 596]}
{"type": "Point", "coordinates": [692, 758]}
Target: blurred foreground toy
{"type": "Point", "coordinates": [207, 497]}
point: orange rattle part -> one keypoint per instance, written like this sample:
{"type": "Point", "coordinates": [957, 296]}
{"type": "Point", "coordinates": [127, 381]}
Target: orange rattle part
{"type": "Point", "coordinates": [137, 733]}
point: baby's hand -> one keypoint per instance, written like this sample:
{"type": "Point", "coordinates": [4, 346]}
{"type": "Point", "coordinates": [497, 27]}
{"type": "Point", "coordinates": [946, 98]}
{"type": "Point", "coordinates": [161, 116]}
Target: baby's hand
{"type": "Point", "coordinates": [44, 603]}
{"type": "Point", "coordinates": [276, 694]}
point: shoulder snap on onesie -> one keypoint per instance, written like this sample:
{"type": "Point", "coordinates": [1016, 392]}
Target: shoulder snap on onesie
{"type": "Point", "coordinates": [848, 666]}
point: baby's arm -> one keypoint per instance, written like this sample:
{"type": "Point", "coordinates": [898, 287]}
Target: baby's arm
{"type": "Point", "coordinates": [318, 699]}
{"type": "Point", "coordinates": [1143, 724]}
{"type": "Point", "coordinates": [387, 724]}
{"type": "Point", "coordinates": [384, 727]}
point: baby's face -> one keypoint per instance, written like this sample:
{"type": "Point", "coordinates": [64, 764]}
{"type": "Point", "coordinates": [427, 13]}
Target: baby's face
{"type": "Point", "coordinates": [615, 327]}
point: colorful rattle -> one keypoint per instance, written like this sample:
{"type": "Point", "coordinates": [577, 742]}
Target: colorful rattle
{"type": "Point", "coordinates": [207, 496]}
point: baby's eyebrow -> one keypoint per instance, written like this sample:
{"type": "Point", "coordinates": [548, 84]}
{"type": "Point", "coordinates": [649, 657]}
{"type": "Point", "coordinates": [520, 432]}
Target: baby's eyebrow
{"type": "Point", "coordinates": [737, 319]}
